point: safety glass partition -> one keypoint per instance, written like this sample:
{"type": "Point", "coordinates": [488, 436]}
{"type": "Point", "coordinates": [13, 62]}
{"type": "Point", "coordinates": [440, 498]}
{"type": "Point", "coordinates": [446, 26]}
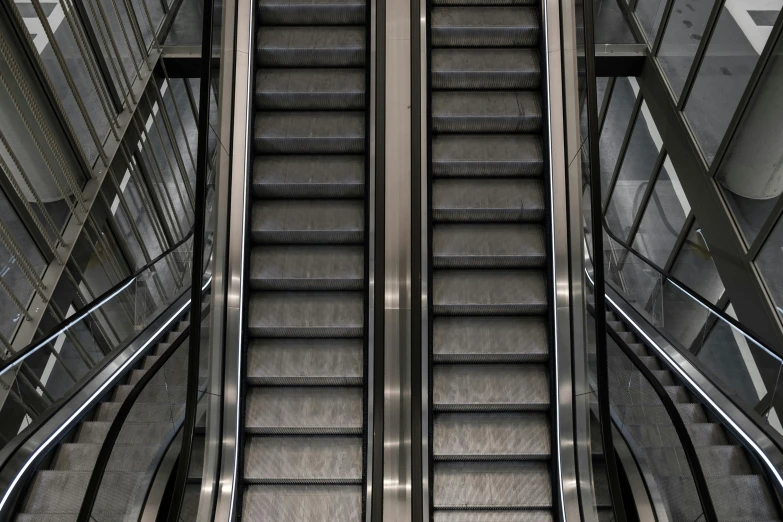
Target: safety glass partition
{"type": "Point", "coordinates": [51, 367]}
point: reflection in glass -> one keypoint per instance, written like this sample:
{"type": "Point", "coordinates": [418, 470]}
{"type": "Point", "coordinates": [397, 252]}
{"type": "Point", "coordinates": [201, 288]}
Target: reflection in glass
{"type": "Point", "coordinates": [684, 31]}
{"type": "Point", "coordinates": [634, 175]}
{"type": "Point", "coordinates": [618, 116]}
{"type": "Point", "coordinates": [768, 263]}
{"type": "Point", "coordinates": [649, 13]}
{"type": "Point", "coordinates": [728, 63]}
{"type": "Point", "coordinates": [663, 218]}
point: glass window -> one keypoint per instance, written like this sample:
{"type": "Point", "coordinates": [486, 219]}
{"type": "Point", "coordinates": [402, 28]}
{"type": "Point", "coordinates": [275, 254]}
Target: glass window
{"type": "Point", "coordinates": [618, 116]}
{"type": "Point", "coordinates": [649, 14]}
{"type": "Point", "coordinates": [728, 63]}
{"type": "Point", "coordinates": [611, 27]}
{"type": "Point", "coordinates": [634, 176]}
{"type": "Point", "coordinates": [768, 263]}
{"type": "Point", "coordinates": [663, 218]}
{"type": "Point", "coordinates": [684, 31]}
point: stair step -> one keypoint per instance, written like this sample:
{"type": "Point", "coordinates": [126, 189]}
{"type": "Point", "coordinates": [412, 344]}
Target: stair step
{"type": "Point", "coordinates": [310, 89]}
{"type": "Point", "coordinates": [489, 292]}
{"type": "Point", "coordinates": [490, 387]}
{"type": "Point", "coordinates": [335, 222]}
{"type": "Point", "coordinates": [313, 177]}
{"type": "Point", "coordinates": [486, 112]}
{"type": "Point", "coordinates": [132, 433]}
{"type": "Point", "coordinates": [310, 12]}
{"type": "Point", "coordinates": [657, 415]}
{"type": "Point", "coordinates": [476, 155]}
{"type": "Point", "coordinates": [304, 411]}
{"type": "Point", "coordinates": [491, 485]}
{"type": "Point", "coordinates": [311, 47]}
{"type": "Point", "coordinates": [484, 26]}
{"type": "Point", "coordinates": [303, 460]}
{"type": "Point", "coordinates": [491, 436]}
{"type": "Point", "coordinates": [305, 362]}
{"type": "Point", "coordinates": [475, 69]}
{"type": "Point", "coordinates": [62, 492]}
{"type": "Point", "coordinates": [312, 132]}
{"type": "Point", "coordinates": [490, 339]}
{"type": "Point", "coordinates": [488, 246]}
{"type": "Point", "coordinates": [484, 2]}
{"type": "Point", "coordinates": [82, 457]}
{"type": "Point", "coordinates": [295, 503]}
{"type": "Point", "coordinates": [153, 393]}
{"type": "Point", "coordinates": [744, 497]}
{"type": "Point", "coordinates": [152, 413]}
{"type": "Point", "coordinates": [496, 515]}
{"type": "Point", "coordinates": [308, 267]}
{"type": "Point", "coordinates": [306, 314]}
{"type": "Point", "coordinates": [496, 200]}
{"type": "Point", "coordinates": [702, 435]}
{"type": "Point", "coordinates": [724, 460]}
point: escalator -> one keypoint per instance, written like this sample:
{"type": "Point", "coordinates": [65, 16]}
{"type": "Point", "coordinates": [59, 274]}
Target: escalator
{"type": "Point", "coordinates": [736, 485]}
{"type": "Point", "coordinates": [57, 491]}
{"type": "Point", "coordinates": [490, 342]}
{"type": "Point", "coordinates": [305, 407]}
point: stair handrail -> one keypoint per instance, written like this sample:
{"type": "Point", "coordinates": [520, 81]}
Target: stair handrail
{"type": "Point", "coordinates": [86, 310]}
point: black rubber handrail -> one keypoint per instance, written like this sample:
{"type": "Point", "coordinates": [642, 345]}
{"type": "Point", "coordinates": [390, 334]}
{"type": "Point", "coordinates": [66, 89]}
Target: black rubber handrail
{"type": "Point", "coordinates": [86, 310]}
{"type": "Point", "coordinates": [744, 330]}
{"type": "Point", "coordinates": [96, 478]}
{"type": "Point", "coordinates": [705, 498]}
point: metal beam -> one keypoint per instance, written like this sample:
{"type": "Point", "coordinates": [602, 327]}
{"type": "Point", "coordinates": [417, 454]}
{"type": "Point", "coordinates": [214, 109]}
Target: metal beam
{"type": "Point", "coordinates": [616, 60]}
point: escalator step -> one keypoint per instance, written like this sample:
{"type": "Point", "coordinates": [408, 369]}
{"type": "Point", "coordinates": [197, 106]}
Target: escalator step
{"type": "Point", "coordinates": [310, 89]}
{"type": "Point", "coordinates": [490, 387]}
{"type": "Point", "coordinates": [318, 177]}
{"type": "Point", "coordinates": [307, 267]}
{"type": "Point", "coordinates": [486, 112]}
{"type": "Point", "coordinates": [721, 461]}
{"type": "Point", "coordinates": [311, 12]}
{"type": "Point", "coordinates": [151, 413]}
{"type": "Point", "coordinates": [496, 515]}
{"type": "Point", "coordinates": [305, 362]}
{"type": "Point", "coordinates": [474, 69]}
{"type": "Point", "coordinates": [476, 155]}
{"type": "Point", "coordinates": [657, 415]}
{"type": "Point", "coordinates": [303, 460]}
{"type": "Point", "coordinates": [296, 503]}
{"type": "Point", "coordinates": [491, 436]}
{"type": "Point", "coordinates": [152, 393]}
{"type": "Point", "coordinates": [304, 411]}
{"type": "Point", "coordinates": [338, 222]}
{"type": "Point", "coordinates": [484, 26]}
{"type": "Point", "coordinates": [311, 47]}
{"type": "Point", "coordinates": [744, 497]}
{"type": "Point", "coordinates": [488, 485]}
{"type": "Point", "coordinates": [323, 132]}
{"type": "Point", "coordinates": [124, 457]}
{"type": "Point", "coordinates": [489, 292]}
{"type": "Point", "coordinates": [702, 435]}
{"type": "Point", "coordinates": [62, 492]}
{"type": "Point", "coordinates": [496, 200]}
{"type": "Point", "coordinates": [490, 339]}
{"type": "Point", "coordinates": [488, 246]}
{"type": "Point", "coordinates": [92, 432]}
{"type": "Point", "coordinates": [306, 314]}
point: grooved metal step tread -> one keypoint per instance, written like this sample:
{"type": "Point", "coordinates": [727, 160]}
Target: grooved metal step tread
{"type": "Point", "coordinates": [473, 69]}
{"type": "Point", "coordinates": [310, 89]}
{"type": "Point", "coordinates": [657, 415]}
{"type": "Point", "coordinates": [311, 132]}
{"type": "Point", "coordinates": [303, 460]}
{"type": "Point", "coordinates": [305, 362]}
{"type": "Point", "coordinates": [307, 221]}
{"type": "Point", "coordinates": [139, 433]}
{"type": "Point", "coordinates": [311, 12]}
{"type": "Point", "coordinates": [496, 515]}
{"type": "Point", "coordinates": [307, 267]}
{"type": "Point", "coordinates": [306, 314]}
{"type": "Point", "coordinates": [314, 177]}
{"type": "Point", "coordinates": [151, 412]}
{"type": "Point", "coordinates": [489, 292]}
{"type": "Point", "coordinates": [488, 246]}
{"type": "Point", "coordinates": [485, 485]}
{"type": "Point", "coordinates": [490, 339]}
{"type": "Point", "coordinates": [311, 46]}
{"type": "Point", "coordinates": [296, 503]}
{"type": "Point", "coordinates": [487, 200]}
{"type": "Point", "coordinates": [702, 435]}
{"type": "Point", "coordinates": [476, 155]}
{"type": "Point", "coordinates": [62, 492]}
{"type": "Point", "coordinates": [491, 436]}
{"type": "Point", "coordinates": [484, 26]}
{"type": "Point", "coordinates": [304, 411]}
{"type": "Point", "coordinates": [82, 457]}
{"type": "Point", "coordinates": [490, 387]}
{"type": "Point", "coordinates": [153, 393]}
{"type": "Point", "coordinates": [486, 112]}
